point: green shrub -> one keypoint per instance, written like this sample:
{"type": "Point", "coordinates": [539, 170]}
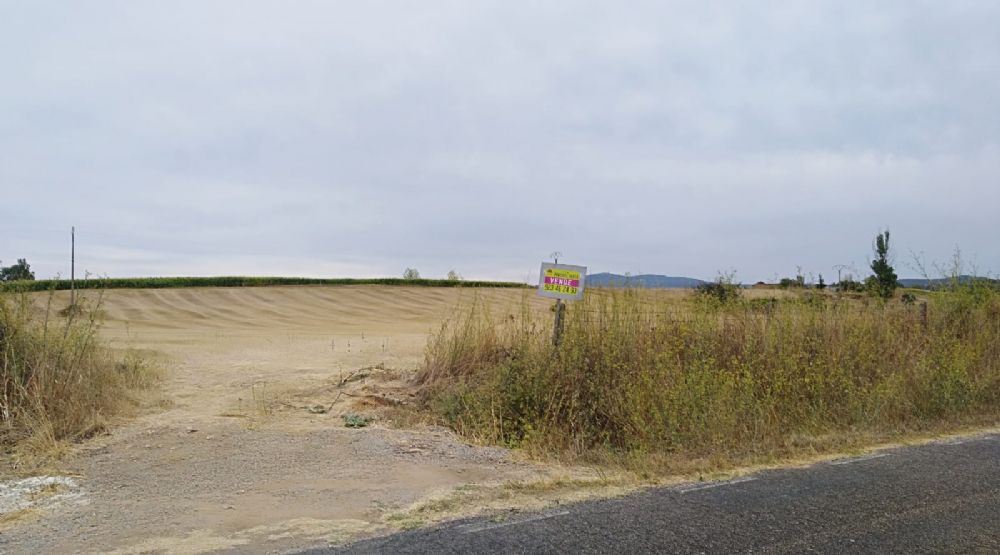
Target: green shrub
{"type": "Point", "coordinates": [721, 291]}
{"type": "Point", "coordinates": [357, 420]}
{"type": "Point", "coordinates": [849, 285]}
{"type": "Point", "coordinates": [798, 281]}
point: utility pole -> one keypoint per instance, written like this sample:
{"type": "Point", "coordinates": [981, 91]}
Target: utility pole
{"type": "Point", "coordinates": [840, 268]}
{"type": "Point", "coordinates": [72, 266]}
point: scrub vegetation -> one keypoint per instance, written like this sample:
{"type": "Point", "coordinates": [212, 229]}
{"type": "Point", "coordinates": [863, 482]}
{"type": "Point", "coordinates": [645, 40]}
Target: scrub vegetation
{"type": "Point", "coordinates": [644, 376]}
{"type": "Point", "coordinates": [57, 381]}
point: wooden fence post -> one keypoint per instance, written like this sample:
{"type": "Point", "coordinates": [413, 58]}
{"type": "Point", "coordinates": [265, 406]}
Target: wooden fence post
{"type": "Point", "coordinates": [558, 327]}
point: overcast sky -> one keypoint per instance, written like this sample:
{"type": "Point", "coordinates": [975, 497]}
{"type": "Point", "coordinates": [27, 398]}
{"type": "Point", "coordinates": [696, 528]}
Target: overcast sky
{"type": "Point", "coordinates": [358, 138]}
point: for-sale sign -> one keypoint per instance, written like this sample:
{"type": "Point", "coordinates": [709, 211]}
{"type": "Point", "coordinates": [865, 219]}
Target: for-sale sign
{"type": "Point", "coordinates": [562, 281]}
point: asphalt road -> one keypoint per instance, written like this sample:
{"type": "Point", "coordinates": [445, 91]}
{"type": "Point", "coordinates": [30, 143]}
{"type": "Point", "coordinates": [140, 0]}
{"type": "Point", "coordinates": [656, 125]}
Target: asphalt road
{"type": "Point", "coordinates": [942, 497]}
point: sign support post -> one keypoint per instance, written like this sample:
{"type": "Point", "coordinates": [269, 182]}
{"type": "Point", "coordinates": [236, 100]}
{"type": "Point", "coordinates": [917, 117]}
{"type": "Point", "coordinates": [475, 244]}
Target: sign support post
{"type": "Point", "coordinates": [558, 326]}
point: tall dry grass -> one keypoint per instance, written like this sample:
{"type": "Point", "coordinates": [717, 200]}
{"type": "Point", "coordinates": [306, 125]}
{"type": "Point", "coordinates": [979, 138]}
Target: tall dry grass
{"type": "Point", "coordinates": [637, 373]}
{"type": "Point", "coordinates": [57, 381]}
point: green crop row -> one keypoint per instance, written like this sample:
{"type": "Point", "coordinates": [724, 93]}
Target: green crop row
{"type": "Point", "coordinates": [234, 281]}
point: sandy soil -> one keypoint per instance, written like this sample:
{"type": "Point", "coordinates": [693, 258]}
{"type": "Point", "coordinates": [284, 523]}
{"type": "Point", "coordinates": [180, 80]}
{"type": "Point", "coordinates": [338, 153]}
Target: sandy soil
{"type": "Point", "coordinates": [248, 450]}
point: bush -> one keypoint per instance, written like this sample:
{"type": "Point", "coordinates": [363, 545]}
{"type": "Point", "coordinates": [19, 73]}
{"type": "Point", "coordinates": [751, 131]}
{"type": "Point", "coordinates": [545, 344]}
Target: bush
{"type": "Point", "coordinates": [56, 379]}
{"type": "Point", "coordinates": [798, 281]}
{"type": "Point", "coordinates": [850, 286]}
{"type": "Point", "coordinates": [720, 291]}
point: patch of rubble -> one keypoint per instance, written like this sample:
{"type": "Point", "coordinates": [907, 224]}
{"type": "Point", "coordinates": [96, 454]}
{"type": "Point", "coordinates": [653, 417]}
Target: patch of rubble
{"type": "Point", "coordinates": [37, 492]}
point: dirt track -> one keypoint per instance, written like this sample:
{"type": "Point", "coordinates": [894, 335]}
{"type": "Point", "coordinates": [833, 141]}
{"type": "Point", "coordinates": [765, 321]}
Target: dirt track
{"type": "Point", "coordinates": [238, 455]}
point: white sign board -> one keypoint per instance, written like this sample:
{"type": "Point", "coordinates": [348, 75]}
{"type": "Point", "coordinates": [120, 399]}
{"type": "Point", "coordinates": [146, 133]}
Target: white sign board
{"type": "Point", "coordinates": [562, 281]}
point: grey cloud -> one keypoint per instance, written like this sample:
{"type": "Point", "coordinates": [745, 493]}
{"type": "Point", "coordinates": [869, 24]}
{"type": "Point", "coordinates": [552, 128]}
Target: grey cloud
{"type": "Point", "coordinates": [318, 137]}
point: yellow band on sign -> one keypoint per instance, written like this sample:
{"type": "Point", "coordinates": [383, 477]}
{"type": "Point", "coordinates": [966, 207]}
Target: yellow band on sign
{"type": "Point", "coordinates": [565, 274]}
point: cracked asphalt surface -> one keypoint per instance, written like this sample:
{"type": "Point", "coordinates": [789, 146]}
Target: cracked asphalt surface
{"type": "Point", "coordinates": [942, 497]}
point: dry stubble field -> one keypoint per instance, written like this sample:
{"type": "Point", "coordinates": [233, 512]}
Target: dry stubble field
{"type": "Point", "coordinates": [237, 453]}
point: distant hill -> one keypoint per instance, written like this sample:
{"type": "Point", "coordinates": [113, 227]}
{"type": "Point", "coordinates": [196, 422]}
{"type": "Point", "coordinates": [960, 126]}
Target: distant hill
{"type": "Point", "coordinates": [657, 281]}
{"type": "Point", "coordinates": [919, 283]}
{"type": "Point", "coordinates": [922, 283]}
{"type": "Point", "coordinates": [650, 281]}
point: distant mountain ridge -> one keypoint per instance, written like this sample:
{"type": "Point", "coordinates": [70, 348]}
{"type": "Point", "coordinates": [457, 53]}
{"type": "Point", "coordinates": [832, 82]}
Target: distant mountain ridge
{"type": "Point", "coordinates": [923, 283]}
{"type": "Point", "coordinates": [658, 281]}
{"type": "Point", "coordinates": [648, 281]}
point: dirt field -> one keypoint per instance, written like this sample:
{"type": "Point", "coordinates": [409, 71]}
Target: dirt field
{"type": "Point", "coordinates": [247, 448]}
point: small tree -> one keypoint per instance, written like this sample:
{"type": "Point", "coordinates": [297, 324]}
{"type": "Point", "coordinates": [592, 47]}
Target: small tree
{"type": "Point", "coordinates": [724, 290]}
{"type": "Point", "coordinates": [850, 284]}
{"type": "Point", "coordinates": [19, 271]}
{"type": "Point", "coordinates": [883, 284]}
{"type": "Point", "coordinates": [798, 281]}
{"type": "Point", "coordinates": [454, 276]}
{"type": "Point", "coordinates": [821, 285]}
{"type": "Point", "coordinates": [411, 273]}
